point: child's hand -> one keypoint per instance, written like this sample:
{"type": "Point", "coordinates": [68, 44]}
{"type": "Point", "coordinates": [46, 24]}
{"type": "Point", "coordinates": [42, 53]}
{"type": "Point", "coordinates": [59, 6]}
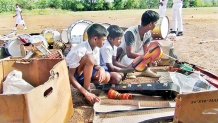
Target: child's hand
{"type": "Point", "coordinates": [130, 68]}
{"type": "Point", "coordinates": [161, 3]}
{"type": "Point", "coordinates": [101, 74]}
{"type": "Point", "coordinates": [91, 97]}
{"type": "Point", "coordinates": [155, 63]}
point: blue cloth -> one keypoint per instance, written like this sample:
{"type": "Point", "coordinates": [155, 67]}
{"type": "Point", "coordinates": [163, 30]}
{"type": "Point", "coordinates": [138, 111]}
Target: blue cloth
{"type": "Point", "coordinates": [80, 78]}
{"type": "Point", "coordinates": [105, 68]}
{"type": "Point", "coordinates": [102, 64]}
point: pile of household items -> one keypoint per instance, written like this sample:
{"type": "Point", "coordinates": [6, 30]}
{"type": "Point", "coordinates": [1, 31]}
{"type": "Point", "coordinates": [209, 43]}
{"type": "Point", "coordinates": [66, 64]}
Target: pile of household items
{"type": "Point", "coordinates": [35, 84]}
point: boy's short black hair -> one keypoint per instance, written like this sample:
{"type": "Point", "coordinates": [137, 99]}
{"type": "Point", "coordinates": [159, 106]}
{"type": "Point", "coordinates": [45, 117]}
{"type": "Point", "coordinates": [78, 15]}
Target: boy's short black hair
{"type": "Point", "coordinates": [114, 31]}
{"type": "Point", "coordinates": [96, 30]}
{"type": "Point", "coordinates": [149, 16]}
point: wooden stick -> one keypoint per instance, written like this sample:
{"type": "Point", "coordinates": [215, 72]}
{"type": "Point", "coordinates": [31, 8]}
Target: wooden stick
{"type": "Point", "coordinates": [207, 41]}
{"type": "Point", "coordinates": [131, 113]}
{"type": "Point", "coordinates": [170, 57]}
{"type": "Point", "coordinates": [140, 104]}
{"type": "Point", "coordinates": [46, 49]}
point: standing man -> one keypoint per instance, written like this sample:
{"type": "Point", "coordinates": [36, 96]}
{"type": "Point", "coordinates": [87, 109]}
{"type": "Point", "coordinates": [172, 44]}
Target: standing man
{"type": "Point", "coordinates": [136, 40]}
{"type": "Point", "coordinates": [177, 17]}
{"type": "Point", "coordinates": [19, 18]}
{"type": "Point", "coordinates": [162, 7]}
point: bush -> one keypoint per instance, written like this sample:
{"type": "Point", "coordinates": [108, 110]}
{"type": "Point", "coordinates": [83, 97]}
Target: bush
{"type": "Point", "coordinates": [215, 2]}
{"type": "Point", "coordinates": [87, 5]}
{"type": "Point", "coordinates": [118, 4]}
{"type": "Point", "coordinates": [7, 5]}
{"type": "Point", "coordinates": [130, 4]}
{"type": "Point", "coordinates": [55, 4]}
{"type": "Point", "coordinates": [98, 5]}
{"type": "Point", "coordinates": [42, 4]}
{"type": "Point", "coordinates": [79, 6]}
{"type": "Point", "coordinates": [142, 4]}
{"type": "Point", "coordinates": [107, 6]}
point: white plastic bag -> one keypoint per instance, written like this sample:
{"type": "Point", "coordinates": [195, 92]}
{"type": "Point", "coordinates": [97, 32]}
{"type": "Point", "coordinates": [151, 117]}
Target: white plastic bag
{"type": "Point", "coordinates": [14, 84]}
{"type": "Point", "coordinates": [191, 83]}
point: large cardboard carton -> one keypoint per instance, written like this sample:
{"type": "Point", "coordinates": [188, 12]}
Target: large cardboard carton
{"type": "Point", "coordinates": [49, 102]}
{"type": "Point", "coordinates": [201, 107]}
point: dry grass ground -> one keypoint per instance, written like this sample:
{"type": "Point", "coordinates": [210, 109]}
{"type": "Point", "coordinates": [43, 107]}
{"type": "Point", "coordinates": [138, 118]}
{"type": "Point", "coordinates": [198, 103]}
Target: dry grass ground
{"type": "Point", "coordinates": [200, 24]}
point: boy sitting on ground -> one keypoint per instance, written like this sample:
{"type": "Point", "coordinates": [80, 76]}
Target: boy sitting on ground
{"type": "Point", "coordinates": [136, 40]}
{"type": "Point", "coordinates": [83, 61]}
{"type": "Point", "coordinates": [108, 54]}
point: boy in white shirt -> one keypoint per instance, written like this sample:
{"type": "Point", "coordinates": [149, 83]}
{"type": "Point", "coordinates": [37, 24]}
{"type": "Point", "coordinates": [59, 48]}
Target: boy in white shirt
{"type": "Point", "coordinates": [136, 40]}
{"type": "Point", "coordinates": [83, 61]}
{"type": "Point", "coordinates": [108, 54]}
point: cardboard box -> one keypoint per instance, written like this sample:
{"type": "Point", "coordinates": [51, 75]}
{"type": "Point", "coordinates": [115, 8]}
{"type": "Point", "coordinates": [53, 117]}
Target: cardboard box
{"type": "Point", "coordinates": [49, 102]}
{"type": "Point", "coordinates": [201, 107]}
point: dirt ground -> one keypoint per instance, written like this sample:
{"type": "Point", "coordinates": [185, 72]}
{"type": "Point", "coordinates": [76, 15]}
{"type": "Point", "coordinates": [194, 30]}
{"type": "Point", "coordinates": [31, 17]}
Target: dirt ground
{"type": "Point", "coordinates": [200, 24]}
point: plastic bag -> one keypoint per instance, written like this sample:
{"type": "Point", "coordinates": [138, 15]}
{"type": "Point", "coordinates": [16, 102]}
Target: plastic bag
{"type": "Point", "coordinates": [14, 84]}
{"type": "Point", "coordinates": [191, 83]}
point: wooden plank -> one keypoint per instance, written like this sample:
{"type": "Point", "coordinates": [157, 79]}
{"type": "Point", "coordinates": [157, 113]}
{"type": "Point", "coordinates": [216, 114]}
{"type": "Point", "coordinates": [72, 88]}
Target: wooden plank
{"type": "Point", "coordinates": [140, 104]}
{"type": "Point", "coordinates": [135, 112]}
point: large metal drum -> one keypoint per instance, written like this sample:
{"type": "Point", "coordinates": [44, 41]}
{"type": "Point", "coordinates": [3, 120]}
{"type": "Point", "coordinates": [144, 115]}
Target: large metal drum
{"type": "Point", "coordinates": [76, 30]}
{"type": "Point", "coordinates": [161, 29]}
{"type": "Point", "coordinates": [85, 35]}
{"type": "Point", "coordinates": [51, 35]}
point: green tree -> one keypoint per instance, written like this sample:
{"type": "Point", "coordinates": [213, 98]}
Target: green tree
{"type": "Point", "coordinates": [118, 4]}
{"type": "Point", "coordinates": [42, 4]}
{"type": "Point", "coordinates": [79, 6]}
{"type": "Point", "coordinates": [131, 4]}
{"type": "Point", "coordinates": [7, 5]}
{"type": "Point", "coordinates": [98, 5]}
{"type": "Point", "coordinates": [107, 6]}
{"type": "Point", "coordinates": [199, 3]}
{"type": "Point", "coordinates": [68, 4]}
{"type": "Point", "coordinates": [152, 4]}
{"type": "Point", "coordinates": [185, 3]}
{"type": "Point", "coordinates": [142, 4]}
{"type": "Point", "coordinates": [215, 3]}
{"type": "Point", "coordinates": [55, 4]}
{"type": "Point", "coordinates": [192, 3]}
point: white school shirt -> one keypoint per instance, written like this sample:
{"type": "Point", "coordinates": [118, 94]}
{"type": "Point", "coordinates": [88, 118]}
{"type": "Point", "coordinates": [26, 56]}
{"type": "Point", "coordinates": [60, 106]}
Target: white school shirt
{"type": "Point", "coordinates": [107, 51]}
{"type": "Point", "coordinates": [76, 53]}
{"type": "Point", "coordinates": [18, 10]}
